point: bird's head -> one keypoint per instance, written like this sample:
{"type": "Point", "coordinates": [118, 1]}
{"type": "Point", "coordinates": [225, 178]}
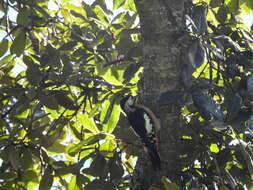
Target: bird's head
{"type": "Point", "coordinates": [128, 102]}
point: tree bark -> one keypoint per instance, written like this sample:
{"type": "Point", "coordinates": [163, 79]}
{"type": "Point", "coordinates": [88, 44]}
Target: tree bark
{"type": "Point", "coordinates": [162, 27]}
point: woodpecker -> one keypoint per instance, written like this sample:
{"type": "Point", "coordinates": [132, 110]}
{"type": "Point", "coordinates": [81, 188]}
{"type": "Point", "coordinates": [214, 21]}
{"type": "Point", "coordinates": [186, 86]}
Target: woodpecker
{"type": "Point", "coordinates": [145, 125]}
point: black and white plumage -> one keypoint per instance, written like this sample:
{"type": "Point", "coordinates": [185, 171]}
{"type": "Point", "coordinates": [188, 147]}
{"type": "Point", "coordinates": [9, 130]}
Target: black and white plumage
{"type": "Point", "coordinates": [145, 124]}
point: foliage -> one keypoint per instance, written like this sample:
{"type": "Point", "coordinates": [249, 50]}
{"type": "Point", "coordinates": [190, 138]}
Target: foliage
{"type": "Point", "coordinates": [62, 76]}
{"type": "Point", "coordinates": [216, 98]}
{"type": "Point", "coordinates": [65, 66]}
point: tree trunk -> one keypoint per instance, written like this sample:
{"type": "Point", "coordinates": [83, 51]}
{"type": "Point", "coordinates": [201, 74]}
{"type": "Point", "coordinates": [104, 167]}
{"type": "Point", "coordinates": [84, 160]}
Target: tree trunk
{"type": "Point", "coordinates": [162, 26]}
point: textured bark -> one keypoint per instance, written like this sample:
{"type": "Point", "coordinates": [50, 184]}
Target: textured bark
{"type": "Point", "coordinates": [162, 25]}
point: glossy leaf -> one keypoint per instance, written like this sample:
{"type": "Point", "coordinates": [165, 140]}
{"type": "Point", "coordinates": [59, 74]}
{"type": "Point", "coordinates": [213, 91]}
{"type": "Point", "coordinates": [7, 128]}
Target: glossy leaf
{"type": "Point", "coordinates": [234, 105]}
{"type": "Point", "coordinates": [196, 54]}
{"type": "Point", "coordinates": [199, 18]}
{"type": "Point", "coordinates": [130, 71]}
{"type": "Point", "coordinates": [206, 106]}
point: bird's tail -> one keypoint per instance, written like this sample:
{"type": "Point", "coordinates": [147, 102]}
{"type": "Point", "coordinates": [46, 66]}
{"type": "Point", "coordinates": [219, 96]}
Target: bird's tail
{"type": "Point", "coordinates": [154, 156]}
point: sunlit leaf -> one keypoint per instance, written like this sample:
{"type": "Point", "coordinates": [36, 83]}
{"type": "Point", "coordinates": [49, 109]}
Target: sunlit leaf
{"type": "Point", "coordinates": [108, 148]}
{"type": "Point", "coordinates": [73, 184]}
{"type": "Point", "coordinates": [214, 148]}
{"type": "Point", "coordinates": [110, 114]}
{"type": "Point", "coordinates": [168, 185]}
{"type": "Point", "coordinates": [90, 140]}
{"type": "Point", "coordinates": [118, 3]}
{"type": "Point", "coordinates": [88, 123]}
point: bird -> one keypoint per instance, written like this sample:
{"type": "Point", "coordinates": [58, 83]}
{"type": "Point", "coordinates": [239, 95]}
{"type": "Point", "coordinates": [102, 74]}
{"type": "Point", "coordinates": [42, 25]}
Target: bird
{"type": "Point", "coordinates": [146, 125]}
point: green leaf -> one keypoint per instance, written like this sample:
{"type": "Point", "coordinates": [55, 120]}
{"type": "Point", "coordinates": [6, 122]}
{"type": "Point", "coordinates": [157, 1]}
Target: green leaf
{"type": "Point", "coordinates": [222, 14]}
{"type": "Point", "coordinates": [26, 160]}
{"type": "Point", "coordinates": [34, 75]}
{"type": "Point", "coordinates": [199, 18]}
{"type": "Point", "coordinates": [118, 3]}
{"type": "Point", "coordinates": [67, 16]}
{"type": "Point", "coordinates": [116, 169]}
{"type": "Point", "coordinates": [4, 47]}
{"type": "Point", "coordinates": [215, 3]}
{"type": "Point", "coordinates": [101, 14]}
{"type": "Point", "coordinates": [68, 46]}
{"type": "Point", "coordinates": [49, 101]}
{"type": "Point", "coordinates": [130, 5]}
{"type": "Point", "coordinates": [63, 100]}
{"type": "Point", "coordinates": [47, 180]}
{"type": "Point", "coordinates": [113, 119]}
{"type": "Point", "coordinates": [73, 184]}
{"type": "Point", "coordinates": [99, 185]}
{"type": "Point", "coordinates": [23, 17]}
{"type": "Point", "coordinates": [14, 157]}
{"type": "Point", "coordinates": [108, 148]}
{"type": "Point", "coordinates": [30, 175]}
{"type": "Point", "coordinates": [19, 43]}
{"type": "Point", "coordinates": [97, 167]}
{"type": "Point", "coordinates": [214, 148]}
{"type": "Point", "coordinates": [249, 4]}
{"type": "Point", "coordinates": [57, 148]}
{"type": "Point", "coordinates": [168, 184]}
{"type": "Point", "coordinates": [91, 140]}
{"type": "Point", "coordinates": [196, 54]}
{"type": "Point", "coordinates": [110, 114]}
{"type": "Point", "coordinates": [8, 175]}
{"type": "Point", "coordinates": [88, 123]}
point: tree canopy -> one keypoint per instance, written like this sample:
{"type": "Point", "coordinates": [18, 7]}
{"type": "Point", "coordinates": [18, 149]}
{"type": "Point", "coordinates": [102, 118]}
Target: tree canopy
{"type": "Point", "coordinates": [64, 67]}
